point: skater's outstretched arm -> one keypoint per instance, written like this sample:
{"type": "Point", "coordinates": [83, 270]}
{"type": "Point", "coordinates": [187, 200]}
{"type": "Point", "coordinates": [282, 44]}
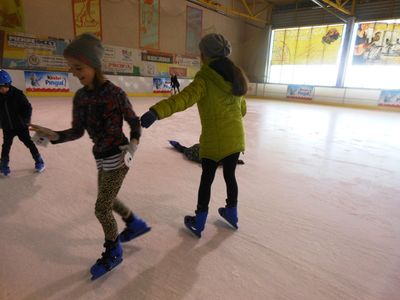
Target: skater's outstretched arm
{"type": "Point", "coordinates": [44, 132]}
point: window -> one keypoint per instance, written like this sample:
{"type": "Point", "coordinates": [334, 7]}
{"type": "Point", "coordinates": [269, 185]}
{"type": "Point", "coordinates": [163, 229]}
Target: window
{"type": "Point", "coordinates": [306, 55]}
{"type": "Point", "coordinates": [374, 61]}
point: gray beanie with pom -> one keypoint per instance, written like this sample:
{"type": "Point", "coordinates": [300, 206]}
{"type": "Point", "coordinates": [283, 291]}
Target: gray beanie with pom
{"type": "Point", "coordinates": [86, 48]}
{"type": "Point", "coordinates": [215, 45]}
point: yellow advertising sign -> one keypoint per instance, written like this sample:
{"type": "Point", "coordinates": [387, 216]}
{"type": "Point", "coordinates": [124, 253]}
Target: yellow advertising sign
{"type": "Point", "coordinates": [307, 45]}
{"type": "Point", "coordinates": [11, 15]}
{"type": "Point", "coordinates": [87, 17]}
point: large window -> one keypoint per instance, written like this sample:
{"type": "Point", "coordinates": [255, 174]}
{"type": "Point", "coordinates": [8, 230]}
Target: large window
{"type": "Point", "coordinates": [306, 55]}
{"type": "Point", "coordinates": [374, 61]}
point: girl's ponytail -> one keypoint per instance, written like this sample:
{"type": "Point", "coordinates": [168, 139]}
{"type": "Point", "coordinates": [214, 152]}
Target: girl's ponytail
{"type": "Point", "coordinates": [231, 73]}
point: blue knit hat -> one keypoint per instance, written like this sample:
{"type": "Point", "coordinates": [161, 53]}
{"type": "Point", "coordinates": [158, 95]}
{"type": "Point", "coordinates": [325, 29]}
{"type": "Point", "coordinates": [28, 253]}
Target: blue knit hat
{"type": "Point", "coordinates": [86, 48]}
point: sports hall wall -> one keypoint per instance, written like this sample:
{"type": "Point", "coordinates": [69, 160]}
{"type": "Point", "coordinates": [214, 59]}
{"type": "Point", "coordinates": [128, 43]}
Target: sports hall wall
{"type": "Point", "coordinates": [120, 28]}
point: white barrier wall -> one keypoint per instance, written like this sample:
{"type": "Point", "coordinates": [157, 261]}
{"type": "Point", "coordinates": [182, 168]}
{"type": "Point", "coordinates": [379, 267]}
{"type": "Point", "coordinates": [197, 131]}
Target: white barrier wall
{"type": "Point", "coordinates": [347, 96]}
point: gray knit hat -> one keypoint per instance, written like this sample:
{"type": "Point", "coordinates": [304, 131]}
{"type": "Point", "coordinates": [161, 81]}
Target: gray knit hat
{"type": "Point", "coordinates": [86, 48]}
{"type": "Point", "coordinates": [215, 45]}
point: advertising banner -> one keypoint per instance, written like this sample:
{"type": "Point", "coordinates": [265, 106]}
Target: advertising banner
{"type": "Point", "coordinates": [46, 81]}
{"type": "Point", "coordinates": [389, 98]}
{"type": "Point", "coordinates": [87, 17]}
{"type": "Point", "coordinates": [158, 57]}
{"type": "Point", "coordinates": [121, 61]}
{"type": "Point", "coordinates": [180, 72]}
{"type": "Point", "coordinates": [188, 61]}
{"type": "Point", "coordinates": [28, 51]}
{"type": "Point", "coordinates": [300, 91]}
{"type": "Point", "coordinates": [161, 85]}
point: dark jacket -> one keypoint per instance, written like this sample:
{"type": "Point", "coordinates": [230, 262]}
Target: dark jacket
{"type": "Point", "coordinates": [15, 110]}
{"type": "Point", "coordinates": [101, 113]}
{"type": "Point", "coordinates": [174, 81]}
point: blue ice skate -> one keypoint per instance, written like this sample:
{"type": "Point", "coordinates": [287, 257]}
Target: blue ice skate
{"type": "Point", "coordinates": [4, 168]}
{"type": "Point", "coordinates": [196, 223]}
{"type": "Point", "coordinates": [230, 215]}
{"type": "Point", "coordinates": [39, 165]}
{"type": "Point", "coordinates": [134, 228]}
{"type": "Point", "coordinates": [110, 258]}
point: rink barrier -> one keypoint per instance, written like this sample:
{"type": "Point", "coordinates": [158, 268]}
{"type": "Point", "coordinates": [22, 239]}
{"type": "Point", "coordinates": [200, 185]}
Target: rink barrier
{"type": "Point", "coordinates": [136, 86]}
{"type": "Point", "coordinates": [350, 97]}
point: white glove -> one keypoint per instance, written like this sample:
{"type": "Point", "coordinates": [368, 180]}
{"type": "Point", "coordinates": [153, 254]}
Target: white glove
{"type": "Point", "coordinates": [40, 140]}
{"type": "Point", "coordinates": [44, 132]}
{"type": "Point", "coordinates": [129, 150]}
{"type": "Point", "coordinates": [131, 147]}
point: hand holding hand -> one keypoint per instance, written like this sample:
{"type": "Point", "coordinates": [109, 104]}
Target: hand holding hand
{"type": "Point", "coordinates": [44, 132]}
{"type": "Point", "coordinates": [148, 118]}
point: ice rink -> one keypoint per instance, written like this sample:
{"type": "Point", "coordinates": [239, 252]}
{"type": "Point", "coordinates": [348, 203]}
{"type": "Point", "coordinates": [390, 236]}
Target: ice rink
{"type": "Point", "coordinates": [319, 211]}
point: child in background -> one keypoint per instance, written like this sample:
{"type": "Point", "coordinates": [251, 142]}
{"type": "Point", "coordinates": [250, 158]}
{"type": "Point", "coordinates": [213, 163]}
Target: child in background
{"type": "Point", "coordinates": [15, 116]}
{"type": "Point", "coordinates": [100, 108]}
{"type": "Point", "coordinates": [218, 90]}
{"type": "Point", "coordinates": [174, 83]}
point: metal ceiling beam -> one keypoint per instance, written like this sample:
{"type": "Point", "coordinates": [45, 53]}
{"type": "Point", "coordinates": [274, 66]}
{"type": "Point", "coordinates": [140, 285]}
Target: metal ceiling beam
{"type": "Point", "coordinates": [246, 9]}
{"type": "Point", "coordinates": [340, 5]}
{"type": "Point", "coordinates": [318, 2]}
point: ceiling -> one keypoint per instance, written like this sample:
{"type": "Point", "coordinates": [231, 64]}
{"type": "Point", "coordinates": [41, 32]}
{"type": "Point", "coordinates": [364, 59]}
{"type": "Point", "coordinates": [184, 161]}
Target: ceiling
{"type": "Point", "coordinates": [285, 2]}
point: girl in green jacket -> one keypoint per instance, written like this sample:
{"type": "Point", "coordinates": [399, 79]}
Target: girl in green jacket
{"type": "Point", "coordinates": [218, 90]}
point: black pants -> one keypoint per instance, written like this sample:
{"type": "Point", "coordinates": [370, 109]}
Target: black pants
{"type": "Point", "coordinates": [23, 135]}
{"type": "Point", "coordinates": [209, 167]}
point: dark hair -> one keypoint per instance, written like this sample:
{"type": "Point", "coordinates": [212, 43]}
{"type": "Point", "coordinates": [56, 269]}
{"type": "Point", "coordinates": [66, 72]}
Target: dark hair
{"type": "Point", "coordinates": [231, 73]}
{"type": "Point", "coordinates": [99, 78]}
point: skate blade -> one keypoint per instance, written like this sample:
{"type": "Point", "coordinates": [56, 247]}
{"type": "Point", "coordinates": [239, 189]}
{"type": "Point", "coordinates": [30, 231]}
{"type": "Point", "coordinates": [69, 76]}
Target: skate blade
{"type": "Point", "coordinates": [94, 277]}
{"type": "Point", "coordinates": [230, 223]}
{"type": "Point", "coordinates": [193, 231]}
{"type": "Point", "coordinates": [40, 170]}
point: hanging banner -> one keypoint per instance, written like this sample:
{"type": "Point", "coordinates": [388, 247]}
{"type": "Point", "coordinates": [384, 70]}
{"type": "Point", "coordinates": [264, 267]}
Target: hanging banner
{"type": "Point", "coordinates": [11, 15]}
{"type": "Point", "coordinates": [318, 45]}
{"type": "Point", "coordinates": [300, 91]}
{"type": "Point", "coordinates": [194, 25]}
{"type": "Point", "coordinates": [149, 24]}
{"type": "Point", "coordinates": [28, 51]}
{"type": "Point", "coordinates": [46, 81]}
{"type": "Point", "coordinates": [161, 85]}
{"type": "Point", "coordinates": [389, 98]}
{"type": "Point", "coordinates": [377, 43]}
{"type": "Point", "coordinates": [87, 17]}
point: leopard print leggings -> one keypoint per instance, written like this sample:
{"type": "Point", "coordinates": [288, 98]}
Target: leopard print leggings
{"type": "Point", "coordinates": [109, 184]}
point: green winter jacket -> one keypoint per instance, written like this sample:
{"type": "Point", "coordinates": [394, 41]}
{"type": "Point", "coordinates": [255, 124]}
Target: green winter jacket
{"type": "Point", "coordinates": [220, 113]}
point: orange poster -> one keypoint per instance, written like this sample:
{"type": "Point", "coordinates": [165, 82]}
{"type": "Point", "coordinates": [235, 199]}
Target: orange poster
{"type": "Point", "coordinates": [87, 17]}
